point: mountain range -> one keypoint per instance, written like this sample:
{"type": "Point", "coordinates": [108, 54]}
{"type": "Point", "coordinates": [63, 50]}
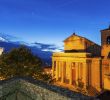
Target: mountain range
{"type": "Point", "coordinates": [44, 51]}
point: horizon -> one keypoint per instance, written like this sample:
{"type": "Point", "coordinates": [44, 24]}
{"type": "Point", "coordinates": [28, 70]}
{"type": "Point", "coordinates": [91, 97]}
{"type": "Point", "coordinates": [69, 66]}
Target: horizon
{"type": "Point", "coordinates": [50, 22]}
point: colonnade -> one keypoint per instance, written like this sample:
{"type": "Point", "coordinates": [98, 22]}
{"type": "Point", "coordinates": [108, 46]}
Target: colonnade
{"type": "Point", "coordinates": [73, 71]}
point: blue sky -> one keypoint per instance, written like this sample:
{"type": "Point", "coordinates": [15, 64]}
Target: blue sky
{"type": "Point", "coordinates": [51, 21]}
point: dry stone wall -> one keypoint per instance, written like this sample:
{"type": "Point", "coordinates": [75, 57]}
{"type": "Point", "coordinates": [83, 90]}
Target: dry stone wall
{"type": "Point", "coordinates": [30, 89]}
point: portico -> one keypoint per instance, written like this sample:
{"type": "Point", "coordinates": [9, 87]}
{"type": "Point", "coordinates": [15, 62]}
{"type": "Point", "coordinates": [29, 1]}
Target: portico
{"type": "Point", "coordinates": [70, 68]}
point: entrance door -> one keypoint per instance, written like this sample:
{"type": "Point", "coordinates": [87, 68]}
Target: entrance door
{"type": "Point", "coordinates": [73, 76]}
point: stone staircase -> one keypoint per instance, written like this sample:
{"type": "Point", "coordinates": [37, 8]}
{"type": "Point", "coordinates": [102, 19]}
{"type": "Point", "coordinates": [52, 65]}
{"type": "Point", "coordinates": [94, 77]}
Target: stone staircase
{"type": "Point", "coordinates": [93, 91]}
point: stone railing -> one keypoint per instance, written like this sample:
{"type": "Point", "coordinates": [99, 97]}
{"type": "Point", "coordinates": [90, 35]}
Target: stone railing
{"type": "Point", "coordinates": [30, 89]}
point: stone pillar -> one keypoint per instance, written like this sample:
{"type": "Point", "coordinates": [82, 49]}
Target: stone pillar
{"type": "Point", "coordinates": [109, 65]}
{"type": "Point", "coordinates": [89, 73]}
{"type": "Point", "coordinates": [77, 72]}
{"type": "Point", "coordinates": [57, 71]}
{"type": "Point", "coordinates": [70, 80]}
{"type": "Point", "coordinates": [85, 74]}
{"type": "Point", "coordinates": [52, 68]}
{"type": "Point", "coordinates": [62, 76]}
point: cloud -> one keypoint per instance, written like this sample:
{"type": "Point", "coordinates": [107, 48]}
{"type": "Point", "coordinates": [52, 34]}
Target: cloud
{"type": "Point", "coordinates": [48, 47]}
{"type": "Point", "coordinates": [9, 37]}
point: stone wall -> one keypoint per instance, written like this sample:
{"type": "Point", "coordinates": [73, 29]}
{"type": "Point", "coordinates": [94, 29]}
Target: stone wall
{"type": "Point", "coordinates": [96, 76]}
{"type": "Point", "coordinates": [30, 89]}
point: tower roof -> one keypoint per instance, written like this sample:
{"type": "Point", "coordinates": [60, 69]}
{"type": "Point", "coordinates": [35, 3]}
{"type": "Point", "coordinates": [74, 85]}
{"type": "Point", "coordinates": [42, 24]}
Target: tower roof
{"type": "Point", "coordinates": [106, 29]}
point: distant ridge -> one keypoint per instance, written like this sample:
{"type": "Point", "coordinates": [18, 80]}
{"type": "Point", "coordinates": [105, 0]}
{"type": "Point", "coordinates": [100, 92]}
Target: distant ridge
{"type": "Point", "coordinates": [44, 51]}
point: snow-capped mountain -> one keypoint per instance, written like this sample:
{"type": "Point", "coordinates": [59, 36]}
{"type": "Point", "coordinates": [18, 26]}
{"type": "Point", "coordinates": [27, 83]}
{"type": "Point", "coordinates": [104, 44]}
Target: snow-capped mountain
{"type": "Point", "coordinates": [44, 51]}
{"type": "Point", "coordinates": [2, 39]}
{"type": "Point", "coordinates": [7, 37]}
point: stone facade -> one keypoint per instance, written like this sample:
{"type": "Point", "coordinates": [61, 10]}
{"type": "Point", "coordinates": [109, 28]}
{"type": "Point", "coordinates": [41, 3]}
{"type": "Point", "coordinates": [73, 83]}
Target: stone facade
{"type": "Point", "coordinates": [1, 50]}
{"type": "Point", "coordinates": [76, 43]}
{"type": "Point", "coordinates": [105, 42]}
{"type": "Point", "coordinates": [30, 89]}
{"type": "Point", "coordinates": [105, 53]}
{"type": "Point", "coordinates": [83, 61]}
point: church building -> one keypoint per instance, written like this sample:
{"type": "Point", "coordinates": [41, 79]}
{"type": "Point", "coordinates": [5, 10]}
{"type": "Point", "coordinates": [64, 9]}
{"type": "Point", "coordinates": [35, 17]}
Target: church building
{"type": "Point", "coordinates": [83, 62]}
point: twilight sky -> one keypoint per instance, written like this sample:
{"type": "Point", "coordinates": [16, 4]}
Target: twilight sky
{"type": "Point", "coordinates": [51, 21]}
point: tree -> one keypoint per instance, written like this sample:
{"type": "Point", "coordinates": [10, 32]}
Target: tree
{"type": "Point", "coordinates": [20, 62]}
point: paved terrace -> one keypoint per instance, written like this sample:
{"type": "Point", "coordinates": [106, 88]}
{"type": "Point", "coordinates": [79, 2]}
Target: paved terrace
{"type": "Point", "coordinates": [30, 89]}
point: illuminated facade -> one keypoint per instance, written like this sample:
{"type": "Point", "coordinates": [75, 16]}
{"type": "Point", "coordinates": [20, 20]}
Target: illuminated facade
{"type": "Point", "coordinates": [83, 61]}
{"type": "Point", "coordinates": [105, 53]}
{"type": "Point", "coordinates": [1, 50]}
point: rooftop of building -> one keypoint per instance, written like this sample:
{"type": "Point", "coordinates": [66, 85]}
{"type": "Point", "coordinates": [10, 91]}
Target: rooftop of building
{"type": "Point", "coordinates": [75, 34]}
{"type": "Point", "coordinates": [107, 29]}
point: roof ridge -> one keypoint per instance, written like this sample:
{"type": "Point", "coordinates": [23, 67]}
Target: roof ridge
{"type": "Point", "coordinates": [74, 34]}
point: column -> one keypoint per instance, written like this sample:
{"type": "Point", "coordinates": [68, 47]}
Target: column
{"type": "Point", "coordinates": [80, 70]}
{"type": "Point", "coordinates": [52, 68]}
{"type": "Point", "coordinates": [89, 73]}
{"type": "Point", "coordinates": [59, 75]}
{"type": "Point", "coordinates": [85, 74]}
{"type": "Point", "coordinates": [57, 70]}
{"type": "Point", "coordinates": [70, 80]}
{"type": "Point", "coordinates": [62, 76]}
{"type": "Point", "coordinates": [77, 72]}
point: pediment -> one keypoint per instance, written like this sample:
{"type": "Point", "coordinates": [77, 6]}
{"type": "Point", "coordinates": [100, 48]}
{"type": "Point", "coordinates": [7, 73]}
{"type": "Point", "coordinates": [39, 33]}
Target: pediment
{"type": "Point", "coordinates": [73, 38]}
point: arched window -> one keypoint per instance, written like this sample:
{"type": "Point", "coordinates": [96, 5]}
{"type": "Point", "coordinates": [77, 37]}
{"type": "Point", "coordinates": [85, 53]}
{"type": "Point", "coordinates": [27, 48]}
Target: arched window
{"type": "Point", "coordinates": [108, 40]}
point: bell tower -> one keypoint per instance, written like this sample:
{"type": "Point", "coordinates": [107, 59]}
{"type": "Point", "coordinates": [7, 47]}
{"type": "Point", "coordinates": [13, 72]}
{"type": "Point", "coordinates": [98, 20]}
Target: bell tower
{"type": "Point", "coordinates": [105, 43]}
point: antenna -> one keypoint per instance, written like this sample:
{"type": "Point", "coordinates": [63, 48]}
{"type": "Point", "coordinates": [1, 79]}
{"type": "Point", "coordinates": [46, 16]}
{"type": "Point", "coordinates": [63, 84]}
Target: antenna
{"type": "Point", "coordinates": [74, 32]}
{"type": "Point", "coordinates": [109, 26]}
